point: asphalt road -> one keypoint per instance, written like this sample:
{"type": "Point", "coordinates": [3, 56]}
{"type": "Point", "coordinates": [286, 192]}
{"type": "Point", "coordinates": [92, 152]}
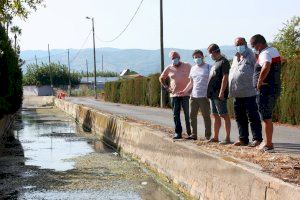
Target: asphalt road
{"type": "Point", "coordinates": [286, 138]}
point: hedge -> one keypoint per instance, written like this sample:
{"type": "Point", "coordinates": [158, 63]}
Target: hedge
{"type": "Point", "coordinates": [146, 91]}
{"type": "Point", "coordinates": [10, 77]}
{"type": "Point", "coordinates": [138, 91]}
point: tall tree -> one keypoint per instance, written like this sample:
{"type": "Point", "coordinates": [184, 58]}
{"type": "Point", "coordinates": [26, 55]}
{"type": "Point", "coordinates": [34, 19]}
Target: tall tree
{"type": "Point", "coordinates": [17, 32]}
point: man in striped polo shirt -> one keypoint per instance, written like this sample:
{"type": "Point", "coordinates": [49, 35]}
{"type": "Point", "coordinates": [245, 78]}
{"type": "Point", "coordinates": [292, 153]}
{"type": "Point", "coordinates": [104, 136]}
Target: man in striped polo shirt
{"type": "Point", "coordinates": [267, 81]}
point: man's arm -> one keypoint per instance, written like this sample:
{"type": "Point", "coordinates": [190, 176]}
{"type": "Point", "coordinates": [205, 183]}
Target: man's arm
{"type": "Point", "coordinates": [263, 74]}
{"type": "Point", "coordinates": [187, 88]}
{"type": "Point", "coordinates": [223, 86]}
{"type": "Point", "coordinates": [162, 80]}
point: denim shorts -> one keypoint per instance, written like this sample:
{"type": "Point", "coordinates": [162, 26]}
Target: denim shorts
{"type": "Point", "coordinates": [218, 106]}
{"type": "Point", "coordinates": [266, 104]}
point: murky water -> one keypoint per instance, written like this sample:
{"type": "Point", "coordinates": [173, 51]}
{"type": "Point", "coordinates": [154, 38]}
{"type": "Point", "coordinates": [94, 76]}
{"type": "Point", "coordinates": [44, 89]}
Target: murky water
{"type": "Point", "coordinates": [50, 157]}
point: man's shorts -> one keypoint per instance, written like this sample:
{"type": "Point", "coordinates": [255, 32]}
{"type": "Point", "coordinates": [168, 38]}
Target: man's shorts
{"type": "Point", "coordinates": [266, 104]}
{"type": "Point", "coordinates": [218, 106]}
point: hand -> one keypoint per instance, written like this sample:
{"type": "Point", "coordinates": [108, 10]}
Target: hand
{"type": "Point", "coordinates": [167, 89]}
{"type": "Point", "coordinates": [260, 83]}
{"type": "Point", "coordinates": [181, 93]}
{"type": "Point", "coordinates": [221, 95]}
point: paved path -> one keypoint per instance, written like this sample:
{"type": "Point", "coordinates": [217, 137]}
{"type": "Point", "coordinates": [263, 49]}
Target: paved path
{"type": "Point", "coordinates": [286, 138]}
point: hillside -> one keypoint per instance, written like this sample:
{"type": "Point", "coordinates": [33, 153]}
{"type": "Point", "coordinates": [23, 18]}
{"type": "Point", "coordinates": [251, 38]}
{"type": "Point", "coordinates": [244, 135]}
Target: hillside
{"type": "Point", "coordinates": [143, 61]}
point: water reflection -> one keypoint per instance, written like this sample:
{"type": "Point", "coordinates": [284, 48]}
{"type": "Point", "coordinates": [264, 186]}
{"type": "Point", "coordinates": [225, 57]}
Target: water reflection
{"type": "Point", "coordinates": [60, 163]}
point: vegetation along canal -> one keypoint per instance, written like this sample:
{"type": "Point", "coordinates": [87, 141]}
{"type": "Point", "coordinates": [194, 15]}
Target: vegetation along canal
{"type": "Point", "coordinates": [48, 156]}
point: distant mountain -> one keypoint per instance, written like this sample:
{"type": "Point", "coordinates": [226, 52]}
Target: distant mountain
{"type": "Point", "coordinates": [142, 61]}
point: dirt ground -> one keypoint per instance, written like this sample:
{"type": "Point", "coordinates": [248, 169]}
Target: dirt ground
{"type": "Point", "coordinates": [285, 166]}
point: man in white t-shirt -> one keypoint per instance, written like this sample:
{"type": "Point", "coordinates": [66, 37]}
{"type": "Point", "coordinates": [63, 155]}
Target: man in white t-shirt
{"type": "Point", "coordinates": [266, 79]}
{"type": "Point", "coordinates": [199, 75]}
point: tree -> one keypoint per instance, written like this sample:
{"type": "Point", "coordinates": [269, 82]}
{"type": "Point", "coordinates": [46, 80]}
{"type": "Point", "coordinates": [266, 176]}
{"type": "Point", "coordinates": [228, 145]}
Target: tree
{"type": "Point", "coordinates": [287, 41]}
{"type": "Point", "coordinates": [10, 76]}
{"type": "Point", "coordinates": [19, 8]}
{"type": "Point", "coordinates": [17, 32]}
{"type": "Point", "coordinates": [39, 75]}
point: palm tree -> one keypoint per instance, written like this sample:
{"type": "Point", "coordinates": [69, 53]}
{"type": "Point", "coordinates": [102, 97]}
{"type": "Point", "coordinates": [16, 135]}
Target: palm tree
{"type": "Point", "coordinates": [17, 31]}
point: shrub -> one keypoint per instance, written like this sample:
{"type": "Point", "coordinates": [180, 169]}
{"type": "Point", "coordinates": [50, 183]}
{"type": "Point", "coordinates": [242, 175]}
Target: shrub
{"type": "Point", "coordinates": [10, 77]}
{"type": "Point", "coordinates": [40, 75]}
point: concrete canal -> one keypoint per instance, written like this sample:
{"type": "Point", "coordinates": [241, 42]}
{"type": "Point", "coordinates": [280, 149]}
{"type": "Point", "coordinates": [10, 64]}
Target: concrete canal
{"type": "Point", "coordinates": [48, 156]}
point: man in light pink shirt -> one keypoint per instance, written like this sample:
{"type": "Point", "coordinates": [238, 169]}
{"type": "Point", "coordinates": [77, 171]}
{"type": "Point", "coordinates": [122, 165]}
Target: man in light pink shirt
{"type": "Point", "coordinates": [178, 73]}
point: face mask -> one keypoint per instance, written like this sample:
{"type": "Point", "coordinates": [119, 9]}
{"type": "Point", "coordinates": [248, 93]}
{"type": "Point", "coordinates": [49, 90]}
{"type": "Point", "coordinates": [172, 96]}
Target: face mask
{"type": "Point", "coordinates": [211, 56]}
{"type": "Point", "coordinates": [198, 61]}
{"type": "Point", "coordinates": [241, 49]}
{"type": "Point", "coordinates": [175, 61]}
{"type": "Point", "coordinates": [255, 51]}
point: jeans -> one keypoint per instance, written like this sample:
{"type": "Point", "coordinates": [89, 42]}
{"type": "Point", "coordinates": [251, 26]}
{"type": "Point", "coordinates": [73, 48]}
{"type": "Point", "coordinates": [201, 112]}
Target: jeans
{"type": "Point", "coordinates": [246, 110]}
{"type": "Point", "coordinates": [177, 103]}
{"type": "Point", "coordinates": [203, 105]}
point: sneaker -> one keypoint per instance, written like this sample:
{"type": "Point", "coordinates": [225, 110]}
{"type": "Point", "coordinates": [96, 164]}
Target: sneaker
{"type": "Point", "coordinates": [225, 142]}
{"type": "Point", "coordinates": [266, 149]}
{"type": "Point", "coordinates": [191, 137]}
{"type": "Point", "coordinates": [213, 140]}
{"type": "Point", "coordinates": [240, 143]}
{"type": "Point", "coordinates": [255, 143]}
{"type": "Point", "coordinates": [177, 136]}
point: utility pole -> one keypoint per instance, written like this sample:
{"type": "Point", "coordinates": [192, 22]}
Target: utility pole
{"type": "Point", "coordinates": [69, 86]}
{"type": "Point", "coordinates": [102, 62]}
{"type": "Point", "coordinates": [87, 71]}
{"type": "Point", "coordinates": [162, 65]}
{"type": "Point", "coordinates": [35, 60]}
{"type": "Point", "coordinates": [95, 70]}
{"type": "Point", "coordinates": [51, 81]}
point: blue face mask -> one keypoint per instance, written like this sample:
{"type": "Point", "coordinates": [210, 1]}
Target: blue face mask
{"type": "Point", "coordinates": [241, 49]}
{"type": "Point", "coordinates": [198, 61]}
{"type": "Point", "coordinates": [255, 51]}
{"type": "Point", "coordinates": [175, 61]}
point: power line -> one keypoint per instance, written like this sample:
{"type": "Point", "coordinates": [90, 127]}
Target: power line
{"type": "Point", "coordinates": [83, 44]}
{"type": "Point", "coordinates": [42, 58]}
{"type": "Point", "coordinates": [77, 53]}
{"type": "Point", "coordinates": [119, 35]}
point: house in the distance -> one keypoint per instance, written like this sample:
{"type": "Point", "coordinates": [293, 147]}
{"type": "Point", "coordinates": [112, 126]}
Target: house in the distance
{"type": "Point", "coordinates": [127, 73]}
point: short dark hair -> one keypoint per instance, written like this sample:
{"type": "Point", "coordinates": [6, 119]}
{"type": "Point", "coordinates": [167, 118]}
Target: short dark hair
{"type": "Point", "coordinates": [213, 48]}
{"type": "Point", "coordinates": [197, 51]}
{"type": "Point", "coordinates": [258, 39]}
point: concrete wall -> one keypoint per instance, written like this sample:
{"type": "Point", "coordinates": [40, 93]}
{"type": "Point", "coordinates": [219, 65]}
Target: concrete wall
{"type": "Point", "coordinates": [202, 174]}
{"type": "Point", "coordinates": [37, 91]}
{"type": "Point", "coordinates": [36, 101]}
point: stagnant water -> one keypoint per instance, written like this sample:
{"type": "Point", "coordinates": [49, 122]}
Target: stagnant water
{"type": "Point", "coordinates": [48, 156]}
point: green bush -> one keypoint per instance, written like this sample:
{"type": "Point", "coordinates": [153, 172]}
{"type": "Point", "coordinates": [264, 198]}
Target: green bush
{"type": "Point", "coordinates": [137, 91]}
{"type": "Point", "coordinates": [10, 77]}
{"type": "Point", "coordinates": [40, 75]}
{"type": "Point", "coordinates": [287, 109]}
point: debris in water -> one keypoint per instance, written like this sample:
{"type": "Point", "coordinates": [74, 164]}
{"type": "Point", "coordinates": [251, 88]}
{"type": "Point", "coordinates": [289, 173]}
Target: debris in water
{"type": "Point", "coordinates": [144, 183]}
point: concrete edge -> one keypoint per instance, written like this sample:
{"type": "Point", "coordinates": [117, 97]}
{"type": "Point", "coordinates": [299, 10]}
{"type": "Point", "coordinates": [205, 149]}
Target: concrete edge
{"type": "Point", "coordinates": [217, 178]}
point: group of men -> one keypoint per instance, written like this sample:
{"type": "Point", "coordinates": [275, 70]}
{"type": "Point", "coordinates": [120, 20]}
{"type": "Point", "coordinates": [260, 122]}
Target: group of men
{"type": "Point", "coordinates": [253, 80]}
